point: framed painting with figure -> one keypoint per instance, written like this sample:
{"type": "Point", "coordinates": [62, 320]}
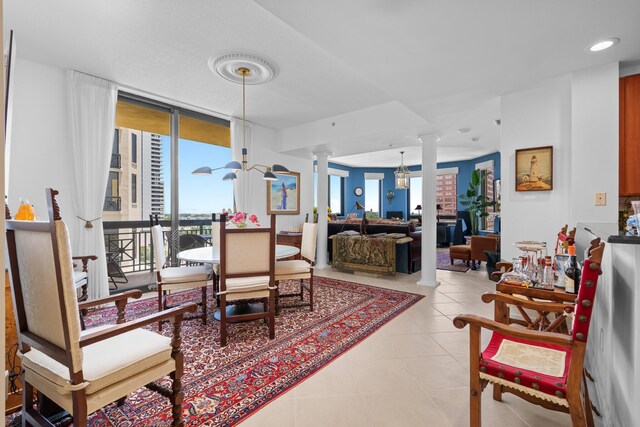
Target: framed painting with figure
{"type": "Point", "coordinates": [283, 194]}
{"type": "Point", "coordinates": [534, 169]}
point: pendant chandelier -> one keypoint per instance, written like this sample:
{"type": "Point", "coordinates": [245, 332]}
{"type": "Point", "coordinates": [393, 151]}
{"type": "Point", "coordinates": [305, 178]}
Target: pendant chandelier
{"type": "Point", "coordinates": [227, 66]}
{"type": "Point", "coordinates": [402, 175]}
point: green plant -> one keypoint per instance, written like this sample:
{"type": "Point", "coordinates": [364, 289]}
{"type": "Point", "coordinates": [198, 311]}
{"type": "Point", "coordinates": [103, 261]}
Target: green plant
{"type": "Point", "coordinates": [372, 215]}
{"type": "Point", "coordinates": [476, 203]}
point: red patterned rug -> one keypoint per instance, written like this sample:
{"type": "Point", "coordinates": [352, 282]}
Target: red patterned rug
{"type": "Point", "coordinates": [225, 386]}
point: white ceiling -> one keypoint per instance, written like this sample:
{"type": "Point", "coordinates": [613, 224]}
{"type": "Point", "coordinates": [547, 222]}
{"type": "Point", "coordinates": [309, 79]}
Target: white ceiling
{"type": "Point", "coordinates": [447, 61]}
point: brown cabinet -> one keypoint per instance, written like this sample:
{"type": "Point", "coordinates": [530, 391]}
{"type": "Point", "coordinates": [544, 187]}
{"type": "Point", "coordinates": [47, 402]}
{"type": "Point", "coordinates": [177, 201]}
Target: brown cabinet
{"type": "Point", "coordinates": [630, 135]}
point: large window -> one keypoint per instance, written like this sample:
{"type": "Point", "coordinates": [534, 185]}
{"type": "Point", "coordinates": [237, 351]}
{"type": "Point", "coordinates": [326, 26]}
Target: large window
{"type": "Point", "coordinates": [372, 196]}
{"type": "Point", "coordinates": [134, 188]}
{"type": "Point", "coordinates": [415, 195]}
{"type": "Point", "coordinates": [335, 193]}
{"type": "Point", "coordinates": [446, 195]}
{"type": "Point", "coordinates": [134, 148]}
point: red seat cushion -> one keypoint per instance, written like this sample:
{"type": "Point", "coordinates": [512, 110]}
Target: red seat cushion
{"type": "Point", "coordinates": [547, 358]}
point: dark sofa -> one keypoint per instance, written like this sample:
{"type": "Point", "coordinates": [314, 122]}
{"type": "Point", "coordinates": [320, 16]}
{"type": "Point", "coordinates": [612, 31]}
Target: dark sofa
{"type": "Point", "coordinates": [406, 228]}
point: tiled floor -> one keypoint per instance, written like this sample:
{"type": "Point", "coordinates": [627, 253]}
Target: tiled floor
{"type": "Point", "coordinates": [412, 372]}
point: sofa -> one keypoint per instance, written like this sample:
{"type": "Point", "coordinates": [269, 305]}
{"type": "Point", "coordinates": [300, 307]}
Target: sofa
{"type": "Point", "coordinates": [376, 226]}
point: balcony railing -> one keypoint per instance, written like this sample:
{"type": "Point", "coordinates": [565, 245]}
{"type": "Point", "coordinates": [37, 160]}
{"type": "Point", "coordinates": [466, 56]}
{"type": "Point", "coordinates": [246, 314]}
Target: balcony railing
{"type": "Point", "coordinates": [115, 161]}
{"type": "Point", "coordinates": [130, 243]}
{"type": "Point", "coordinates": [112, 203]}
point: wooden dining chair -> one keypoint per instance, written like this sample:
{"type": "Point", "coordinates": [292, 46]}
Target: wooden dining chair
{"type": "Point", "coordinates": [247, 272]}
{"type": "Point", "coordinates": [299, 269]}
{"type": "Point", "coordinates": [81, 371]}
{"type": "Point", "coordinates": [565, 236]}
{"type": "Point", "coordinates": [170, 278]}
{"type": "Point", "coordinates": [544, 368]}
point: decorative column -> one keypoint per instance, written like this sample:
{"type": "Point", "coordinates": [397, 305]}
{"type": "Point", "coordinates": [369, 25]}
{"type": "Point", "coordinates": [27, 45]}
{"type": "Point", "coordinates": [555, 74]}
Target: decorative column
{"type": "Point", "coordinates": [429, 174]}
{"type": "Point", "coordinates": [323, 198]}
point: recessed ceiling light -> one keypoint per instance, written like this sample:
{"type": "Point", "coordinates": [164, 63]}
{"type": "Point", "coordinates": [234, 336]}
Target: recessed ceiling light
{"type": "Point", "coordinates": [604, 44]}
{"type": "Point", "coordinates": [475, 139]}
{"type": "Point", "coordinates": [463, 130]}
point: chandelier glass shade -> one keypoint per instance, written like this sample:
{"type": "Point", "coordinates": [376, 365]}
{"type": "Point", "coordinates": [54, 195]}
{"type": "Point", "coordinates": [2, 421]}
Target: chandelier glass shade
{"type": "Point", "coordinates": [243, 166]}
{"type": "Point", "coordinates": [402, 175]}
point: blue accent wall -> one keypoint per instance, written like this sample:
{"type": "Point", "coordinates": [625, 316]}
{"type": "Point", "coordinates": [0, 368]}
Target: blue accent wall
{"type": "Point", "coordinates": [401, 198]}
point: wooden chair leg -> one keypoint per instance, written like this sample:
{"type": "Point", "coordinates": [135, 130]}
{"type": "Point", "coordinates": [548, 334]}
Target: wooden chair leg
{"type": "Point", "coordinates": [451, 261]}
{"type": "Point", "coordinates": [475, 388]}
{"type": "Point", "coordinates": [587, 402]}
{"type": "Point", "coordinates": [576, 410]}
{"type": "Point", "coordinates": [160, 304]}
{"type": "Point", "coordinates": [223, 320]}
{"type": "Point", "coordinates": [27, 399]}
{"type": "Point", "coordinates": [272, 315]}
{"type": "Point", "coordinates": [121, 401]}
{"type": "Point", "coordinates": [177, 395]}
{"type": "Point", "coordinates": [311, 291]}
{"type": "Point", "coordinates": [79, 408]}
{"type": "Point", "coordinates": [277, 298]}
{"type": "Point", "coordinates": [301, 290]}
{"type": "Point", "coordinates": [497, 392]}
{"type": "Point", "coordinates": [204, 305]}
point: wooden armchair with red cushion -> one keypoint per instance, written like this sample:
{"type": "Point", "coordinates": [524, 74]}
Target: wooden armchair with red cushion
{"type": "Point", "coordinates": [544, 368]}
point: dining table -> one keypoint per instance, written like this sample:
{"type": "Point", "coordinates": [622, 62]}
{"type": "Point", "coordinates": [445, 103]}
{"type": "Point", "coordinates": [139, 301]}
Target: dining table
{"type": "Point", "coordinates": [211, 255]}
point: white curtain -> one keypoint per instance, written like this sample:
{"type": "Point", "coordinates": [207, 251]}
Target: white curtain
{"type": "Point", "coordinates": [92, 108]}
{"type": "Point", "coordinates": [243, 186]}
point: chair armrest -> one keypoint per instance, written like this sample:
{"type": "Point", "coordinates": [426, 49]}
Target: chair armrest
{"type": "Point", "coordinates": [85, 260]}
{"type": "Point", "coordinates": [113, 298]}
{"type": "Point", "coordinates": [543, 306]}
{"type": "Point", "coordinates": [172, 314]}
{"type": "Point", "coordinates": [543, 337]}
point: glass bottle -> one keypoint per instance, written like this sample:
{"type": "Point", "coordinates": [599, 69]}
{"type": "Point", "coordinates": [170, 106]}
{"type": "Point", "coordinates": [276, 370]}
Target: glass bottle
{"type": "Point", "coordinates": [572, 272]}
{"type": "Point", "coordinates": [547, 274]}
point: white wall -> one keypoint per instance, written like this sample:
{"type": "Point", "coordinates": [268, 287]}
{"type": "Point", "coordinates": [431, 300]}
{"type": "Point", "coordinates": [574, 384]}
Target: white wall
{"type": "Point", "coordinates": [578, 115]}
{"type": "Point", "coordinates": [594, 143]}
{"type": "Point", "coordinates": [40, 155]}
{"type": "Point", "coordinates": [263, 152]}
{"type": "Point", "coordinates": [533, 118]}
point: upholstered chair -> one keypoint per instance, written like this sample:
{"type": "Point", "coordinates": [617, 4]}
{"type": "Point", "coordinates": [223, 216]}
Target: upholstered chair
{"type": "Point", "coordinates": [81, 371]}
{"type": "Point", "coordinates": [544, 368]}
{"type": "Point", "coordinates": [175, 278]}
{"type": "Point", "coordinates": [247, 272]}
{"type": "Point", "coordinates": [299, 269]}
{"type": "Point", "coordinates": [80, 275]}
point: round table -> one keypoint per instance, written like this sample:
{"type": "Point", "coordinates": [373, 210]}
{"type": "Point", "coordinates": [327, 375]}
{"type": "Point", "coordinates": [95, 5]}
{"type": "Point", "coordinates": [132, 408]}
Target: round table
{"type": "Point", "coordinates": [211, 255]}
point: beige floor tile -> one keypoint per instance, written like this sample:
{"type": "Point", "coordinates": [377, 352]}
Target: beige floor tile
{"type": "Point", "coordinates": [333, 380]}
{"type": "Point", "coordinates": [373, 348]}
{"type": "Point", "coordinates": [381, 375]}
{"type": "Point", "coordinates": [339, 411]}
{"type": "Point", "coordinates": [453, 342]}
{"type": "Point", "coordinates": [435, 323]}
{"type": "Point", "coordinates": [454, 405]}
{"type": "Point", "coordinates": [412, 345]}
{"type": "Point", "coordinates": [403, 408]}
{"type": "Point", "coordinates": [402, 324]}
{"type": "Point", "coordinates": [280, 412]}
{"type": "Point", "coordinates": [433, 372]}
{"type": "Point", "coordinates": [534, 415]}
{"type": "Point", "coordinates": [447, 308]}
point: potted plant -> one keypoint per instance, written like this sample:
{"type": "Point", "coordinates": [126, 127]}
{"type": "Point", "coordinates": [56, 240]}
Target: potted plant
{"type": "Point", "coordinates": [476, 203]}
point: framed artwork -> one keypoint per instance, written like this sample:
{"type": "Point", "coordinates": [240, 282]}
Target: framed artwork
{"type": "Point", "coordinates": [534, 169]}
{"type": "Point", "coordinates": [283, 194]}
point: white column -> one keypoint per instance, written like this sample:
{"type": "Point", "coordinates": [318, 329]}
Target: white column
{"type": "Point", "coordinates": [429, 171]}
{"type": "Point", "coordinates": [323, 197]}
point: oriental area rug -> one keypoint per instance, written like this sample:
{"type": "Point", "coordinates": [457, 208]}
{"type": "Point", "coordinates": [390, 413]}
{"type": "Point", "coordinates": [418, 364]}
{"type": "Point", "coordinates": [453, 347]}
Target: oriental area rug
{"type": "Point", "coordinates": [224, 386]}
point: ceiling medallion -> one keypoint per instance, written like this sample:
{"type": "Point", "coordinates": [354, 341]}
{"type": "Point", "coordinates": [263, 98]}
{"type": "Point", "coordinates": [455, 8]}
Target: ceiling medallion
{"type": "Point", "coordinates": [227, 65]}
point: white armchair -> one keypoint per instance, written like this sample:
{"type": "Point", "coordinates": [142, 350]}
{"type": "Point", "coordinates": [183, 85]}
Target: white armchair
{"type": "Point", "coordinates": [81, 371]}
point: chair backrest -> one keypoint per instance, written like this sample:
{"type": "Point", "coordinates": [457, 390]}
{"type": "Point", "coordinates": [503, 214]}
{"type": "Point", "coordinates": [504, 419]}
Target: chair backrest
{"type": "Point", "coordinates": [309, 237]}
{"type": "Point", "coordinates": [587, 294]}
{"type": "Point", "coordinates": [247, 252]}
{"type": "Point", "coordinates": [563, 236]}
{"type": "Point", "coordinates": [215, 230]}
{"type": "Point", "coordinates": [157, 239]}
{"type": "Point", "coordinates": [42, 287]}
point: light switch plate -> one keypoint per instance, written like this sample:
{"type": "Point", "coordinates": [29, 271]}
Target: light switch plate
{"type": "Point", "coordinates": [601, 199]}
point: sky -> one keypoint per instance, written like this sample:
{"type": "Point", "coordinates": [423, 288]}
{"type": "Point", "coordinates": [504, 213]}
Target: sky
{"type": "Point", "coordinates": [198, 194]}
